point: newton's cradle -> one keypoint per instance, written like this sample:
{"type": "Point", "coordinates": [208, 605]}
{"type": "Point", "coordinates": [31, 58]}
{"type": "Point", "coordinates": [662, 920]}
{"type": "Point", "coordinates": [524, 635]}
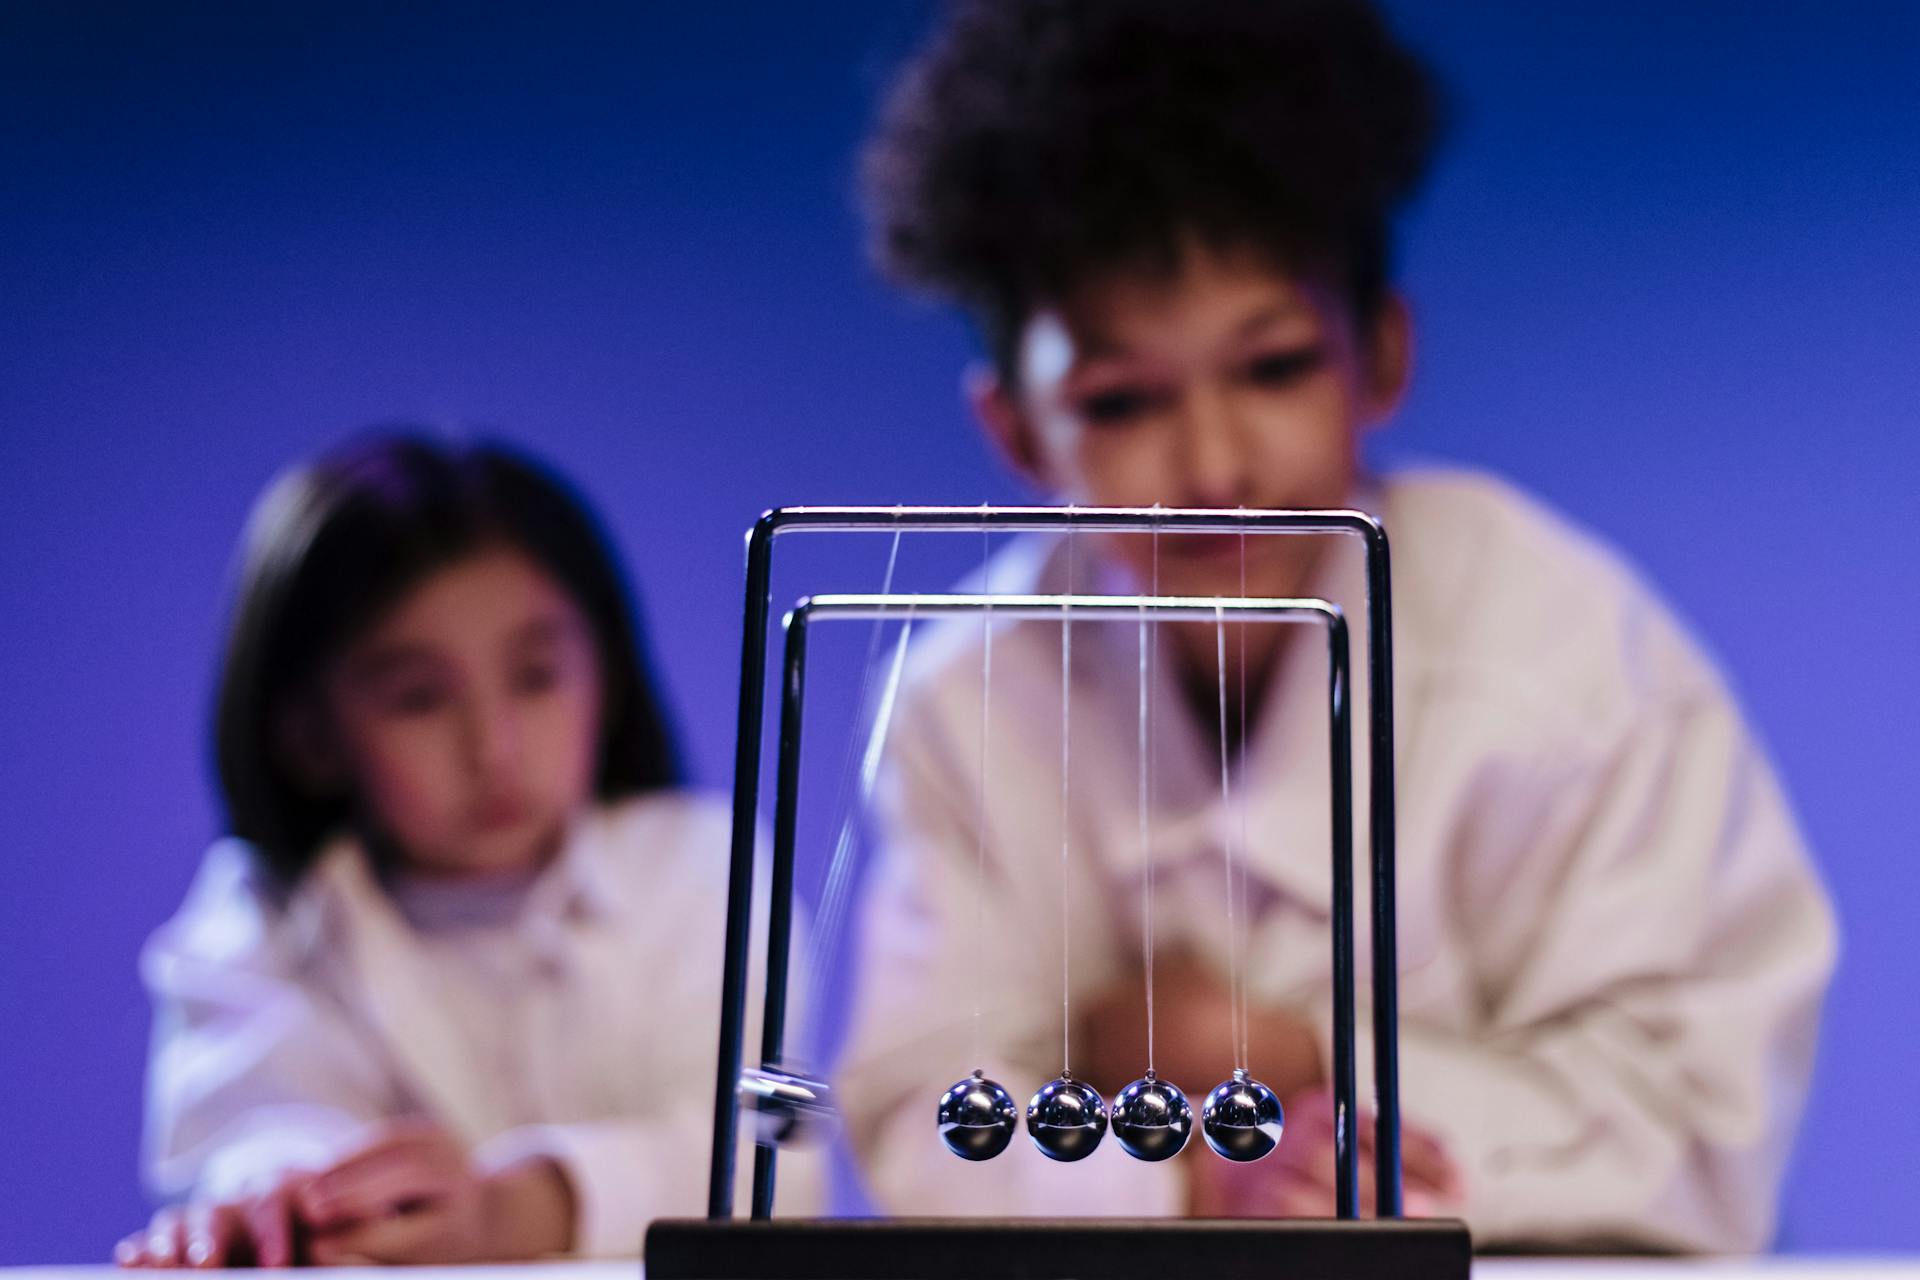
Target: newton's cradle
{"type": "Point", "coordinates": [977, 1117]}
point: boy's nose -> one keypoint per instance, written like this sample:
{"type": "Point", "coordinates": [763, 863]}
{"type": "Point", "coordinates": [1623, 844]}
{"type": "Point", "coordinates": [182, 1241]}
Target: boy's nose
{"type": "Point", "coordinates": [1214, 451]}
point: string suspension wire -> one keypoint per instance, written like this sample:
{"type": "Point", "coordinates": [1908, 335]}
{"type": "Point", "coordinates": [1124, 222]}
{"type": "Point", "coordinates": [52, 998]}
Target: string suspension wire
{"type": "Point", "coordinates": [1226, 809]}
{"type": "Point", "coordinates": [1149, 651]}
{"type": "Point", "coordinates": [1146, 839]}
{"type": "Point", "coordinates": [1246, 847]}
{"type": "Point", "coordinates": [1066, 836]}
{"type": "Point", "coordinates": [839, 879]}
{"type": "Point", "coordinates": [1149, 757]}
{"type": "Point", "coordinates": [980, 821]}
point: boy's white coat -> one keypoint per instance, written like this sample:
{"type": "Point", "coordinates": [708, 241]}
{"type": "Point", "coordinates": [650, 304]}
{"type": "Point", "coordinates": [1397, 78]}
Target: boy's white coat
{"type": "Point", "coordinates": [1613, 946]}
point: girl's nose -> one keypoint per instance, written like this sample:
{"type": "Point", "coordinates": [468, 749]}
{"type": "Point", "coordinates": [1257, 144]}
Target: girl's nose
{"type": "Point", "coordinates": [493, 737]}
{"type": "Point", "coordinates": [1214, 451]}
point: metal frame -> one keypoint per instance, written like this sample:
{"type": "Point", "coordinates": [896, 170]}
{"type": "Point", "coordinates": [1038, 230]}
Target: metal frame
{"type": "Point", "coordinates": [760, 543]}
{"type": "Point", "coordinates": [798, 625]}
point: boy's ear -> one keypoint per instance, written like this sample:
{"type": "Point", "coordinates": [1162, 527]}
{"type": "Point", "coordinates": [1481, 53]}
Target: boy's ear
{"type": "Point", "coordinates": [1389, 358]}
{"type": "Point", "coordinates": [998, 410]}
{"type": "Point", "coordinates": [307, 746]}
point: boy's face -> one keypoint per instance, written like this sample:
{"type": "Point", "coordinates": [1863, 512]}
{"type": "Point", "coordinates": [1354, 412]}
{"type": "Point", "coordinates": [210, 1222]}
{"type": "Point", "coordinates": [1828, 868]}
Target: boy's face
{"type": "Point", "coordinates": [1225, 383]}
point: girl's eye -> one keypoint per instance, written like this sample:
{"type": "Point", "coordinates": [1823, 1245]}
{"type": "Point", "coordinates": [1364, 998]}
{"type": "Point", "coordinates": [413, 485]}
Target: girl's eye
{"type": "Point", "coordinates": [415, 700]}
{"type": "Point", "coordinates": [1116, 407]}
{"type": "Point", "coordinates": [1284, 368]}
{"type": "Point", "coordinates": [536, 679]}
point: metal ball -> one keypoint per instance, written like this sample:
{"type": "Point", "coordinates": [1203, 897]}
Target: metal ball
{"type": "Point", "coordinates": [1067, 1119]}
{"type": "Point", "coordinates": [1242, 1118]}
{"type": "Point", "coordinates": [1152, 1119]}
{"type": "Point", "coordinates": [977, 1118]}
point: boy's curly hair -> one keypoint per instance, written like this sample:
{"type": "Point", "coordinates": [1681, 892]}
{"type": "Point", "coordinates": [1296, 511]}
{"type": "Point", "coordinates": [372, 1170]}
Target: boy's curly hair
{"type": "Point", "coordinates": [1036, 141]}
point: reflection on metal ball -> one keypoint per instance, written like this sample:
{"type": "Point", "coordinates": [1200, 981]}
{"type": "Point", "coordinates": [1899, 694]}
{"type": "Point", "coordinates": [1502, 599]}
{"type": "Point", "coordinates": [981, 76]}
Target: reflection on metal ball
{"type": "Point", "coordinates": [1242, 1118]}
{"type": "Point", "coordinates": [977, 1118]}
{"type": "Point", "coordinates": [1067, 1119]}
{"type": "Point", "coordinates": [1152, 1119]}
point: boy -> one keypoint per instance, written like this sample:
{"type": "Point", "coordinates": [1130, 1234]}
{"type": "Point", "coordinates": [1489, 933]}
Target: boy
{"type": "Point", "coordinates": [1170, 223]}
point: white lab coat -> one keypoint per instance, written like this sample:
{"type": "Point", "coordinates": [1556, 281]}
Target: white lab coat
{"type": "Point", "coordinates": [1613, 947]}
{"type": "Point", "coordinates": [284, 1028]}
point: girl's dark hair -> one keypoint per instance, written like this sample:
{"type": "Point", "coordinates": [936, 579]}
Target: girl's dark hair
{"type": "Point", "coordinates": [1036, 142]}
{"type": "Point", "coordinates": [336, 542]}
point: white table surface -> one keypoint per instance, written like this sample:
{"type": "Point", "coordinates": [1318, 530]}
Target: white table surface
{"type": "Point", "coordinates": [1785, 1268]}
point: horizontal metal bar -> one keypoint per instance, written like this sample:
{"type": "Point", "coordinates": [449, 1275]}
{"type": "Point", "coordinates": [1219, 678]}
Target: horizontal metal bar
{"type": "Point", "coordinates": [1038, 519]}
{"type": "Point", "coordinates": [882, 607]}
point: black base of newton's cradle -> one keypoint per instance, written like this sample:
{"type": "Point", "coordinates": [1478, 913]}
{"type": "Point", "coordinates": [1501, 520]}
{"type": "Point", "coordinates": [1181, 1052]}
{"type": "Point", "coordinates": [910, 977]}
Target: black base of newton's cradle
{"type": "Point", "coordinates": [1050, 1249]}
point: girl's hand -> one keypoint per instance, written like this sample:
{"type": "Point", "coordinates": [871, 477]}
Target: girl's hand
{"type": "Point", "coordinates": [1297, 1180]}
{"type": "Point", "coordinates": [412, 1195]}
{"type": "Point", "coordinates": [259, 1230]}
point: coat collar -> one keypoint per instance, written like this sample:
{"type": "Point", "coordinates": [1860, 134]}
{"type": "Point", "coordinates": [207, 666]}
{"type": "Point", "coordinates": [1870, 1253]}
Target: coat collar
{"type": "Point", "coordinates": [341, 914]}
{"type": "Point", "coordinates": [1277, 805]}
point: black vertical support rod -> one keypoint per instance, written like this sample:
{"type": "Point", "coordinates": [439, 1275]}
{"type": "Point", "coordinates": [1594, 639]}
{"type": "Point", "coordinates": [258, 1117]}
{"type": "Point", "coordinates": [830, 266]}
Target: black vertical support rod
{"type": "Point", "coordinates": [1386, 950]}
{"type": "Point", "coordinates": [746, 801]}
{"type": "Point", "coordinates": [1340, 761]}
{"type": "Point", "coordinates": [786, 818]}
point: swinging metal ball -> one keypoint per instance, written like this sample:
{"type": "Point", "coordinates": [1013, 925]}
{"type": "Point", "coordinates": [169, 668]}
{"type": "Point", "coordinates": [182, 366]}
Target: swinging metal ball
{"type": "Point", "coordinates": [1067, 1119]}
{"type": "Point", "coordinates": [977, 1118]}
{"type": "Point", "coordinates": [1242, 1118]}
{"type": "Point", "coordinates": [1152, 1119]}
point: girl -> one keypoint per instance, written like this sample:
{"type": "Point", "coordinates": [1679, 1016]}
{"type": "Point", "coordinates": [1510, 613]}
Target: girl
{"type": "Point", "coordinates": [449, 990]}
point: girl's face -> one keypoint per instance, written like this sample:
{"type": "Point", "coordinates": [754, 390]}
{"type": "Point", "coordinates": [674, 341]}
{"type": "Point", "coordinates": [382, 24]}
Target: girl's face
{"type": "Point", "coordinates": [1225, 383]}
{"type": "Point", "coordinates": [467, 719]}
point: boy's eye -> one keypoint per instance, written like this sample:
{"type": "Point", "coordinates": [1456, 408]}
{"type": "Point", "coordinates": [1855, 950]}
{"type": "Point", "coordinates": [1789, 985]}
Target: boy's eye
{"type": "Point", "coordinates": [1111, 408]}
{"type": "Point", "coordinates": [1283, 368]}
{"type": "Point", "coordinates": [414, 699]}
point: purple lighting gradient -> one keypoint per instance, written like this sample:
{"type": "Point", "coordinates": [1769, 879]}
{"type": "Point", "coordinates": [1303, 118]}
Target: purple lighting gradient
{"type": "Point", "coordinates": [1666, 277]}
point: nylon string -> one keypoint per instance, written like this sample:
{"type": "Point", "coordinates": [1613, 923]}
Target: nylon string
{"type": "Point", "coordinates": [1066, 837]}
{"type": "Point", "coordinates": [986, 716]}
{"type": "Point", "coordinates": [1246, 923]}
{"type": "Point", "coordinates": [1226, 809]}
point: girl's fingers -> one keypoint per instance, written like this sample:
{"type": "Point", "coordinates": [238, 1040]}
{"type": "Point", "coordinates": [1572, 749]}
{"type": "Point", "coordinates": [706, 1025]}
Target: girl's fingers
{"type": "Point", "coordinates": [200, 1245]}
{"type": "Point", "coordinates": [166, 1244]}
{"type": "Point", "coordinates": [131, 1251]}
{"type": "Point", "coordinates": [410, 1237]}
{"type": "Point", "coordinates": [215, 1235]}
{"type": "Point", "coordinates": [372, 1189]}
{"type": "Point", "coordinates": [386, 1169]}
{"type": "Point", "coordinates": [269, 1226]}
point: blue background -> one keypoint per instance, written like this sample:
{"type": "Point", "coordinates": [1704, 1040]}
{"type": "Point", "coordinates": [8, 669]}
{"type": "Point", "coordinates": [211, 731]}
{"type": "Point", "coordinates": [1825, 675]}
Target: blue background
{"type": "Point", "coordinates": [1666, 277]}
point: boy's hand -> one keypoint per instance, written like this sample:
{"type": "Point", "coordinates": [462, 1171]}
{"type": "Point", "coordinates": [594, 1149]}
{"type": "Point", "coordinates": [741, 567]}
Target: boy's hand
{"type": "Point", "coordinates": [1297, 1180]}
{"type": "Point", "coordinates": [1191, 1041]}
{"type": "Point", "coordinates": [258, 1230]}
{"type": "Point", "coordinates": [412, 1195]}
